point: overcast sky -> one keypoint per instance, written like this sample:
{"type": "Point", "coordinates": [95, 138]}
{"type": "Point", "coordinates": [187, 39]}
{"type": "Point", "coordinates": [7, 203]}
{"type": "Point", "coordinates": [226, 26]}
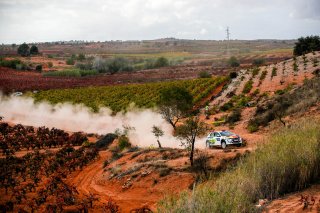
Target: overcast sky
{"type": "Point", "coordinates": [101, 20]}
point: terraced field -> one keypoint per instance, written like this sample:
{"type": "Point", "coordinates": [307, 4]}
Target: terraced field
{"type": "Point", "coordinates": [119, 98]}
{"type": "Point", "coordinates": [272, 78]}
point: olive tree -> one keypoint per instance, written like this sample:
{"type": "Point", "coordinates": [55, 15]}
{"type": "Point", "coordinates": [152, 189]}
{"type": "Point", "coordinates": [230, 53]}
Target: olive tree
{"type": "Point", "coordinates": [158, 132]}
{"type": "Point", "coordinates": [34, 50]}
{"type": "Point", "coordinates": [188, 132]}
{"type": "Point", "coordinates": [174, 104]}
{"type": "Point", "coordinates": [23, 49]}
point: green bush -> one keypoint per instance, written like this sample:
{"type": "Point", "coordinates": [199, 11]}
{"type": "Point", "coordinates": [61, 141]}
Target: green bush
{"type": "Point", "coordinates": [233, 62]}
{"type": "Point", "coordinates": [252, 126]}
{"type": "Point", "coordinates": [235, 116]}
{"type": "Point", "coordinates": [161, 62]}
{"type": "Point", "coordinates": [39, 68]}
{"type": "Point", "coordinates": [34, 50]}
{"type": "Point", "coordinates": [233, 75]}
{"type": "Point", "coordinates": [226, 106]}
{"type": "Point", "coordinates": [23, 50]}
{"type": "Point", "coordinates": [285, 164]}
{"type": "Point", "coordinates": [204, 74]}
{"type": "Point", "coordinates": [11, 63]}
{"type": "Point", "coordinates": [247, 87]}
{"type": "Point", "coordinates": [263, 75]}
{"type": "Point", "coordinates": [255, 71]}
{"type": "Point", "coordinates": [124, 142]}
{"type": "Point", "coordinates": [70, 61]}
{"type": "Point", "coordinates": [81, 57]}
{"type": "Point", "coordinates": [118, 64]}
{"type": "Point", "coordinates": [50, 64]}
{"type": "Point", "coordinates": [84, 66]}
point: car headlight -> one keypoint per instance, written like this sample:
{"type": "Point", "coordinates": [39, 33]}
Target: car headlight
{"type": "Point", "coordinates": [229, 140]}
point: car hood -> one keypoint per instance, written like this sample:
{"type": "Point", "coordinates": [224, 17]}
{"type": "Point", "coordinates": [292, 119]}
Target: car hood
{"type": "Point", "coordinates": [233, 136]}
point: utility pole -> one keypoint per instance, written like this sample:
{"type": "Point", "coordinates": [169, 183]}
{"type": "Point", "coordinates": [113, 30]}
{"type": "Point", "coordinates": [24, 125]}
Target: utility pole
{"type": "Point", "coordinates": [228, 41]}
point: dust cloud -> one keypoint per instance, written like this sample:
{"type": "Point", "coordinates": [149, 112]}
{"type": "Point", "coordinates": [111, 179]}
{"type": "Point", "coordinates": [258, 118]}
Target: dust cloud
{"type": "Point", "coordinates": [73, 118]}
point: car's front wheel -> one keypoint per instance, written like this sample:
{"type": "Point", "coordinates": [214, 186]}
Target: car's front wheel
{"type": "Point", "coordinates": [223, 145]}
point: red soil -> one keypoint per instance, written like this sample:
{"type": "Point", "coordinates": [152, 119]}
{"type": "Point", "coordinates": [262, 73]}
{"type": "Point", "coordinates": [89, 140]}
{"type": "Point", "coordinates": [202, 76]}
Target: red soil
{"type": "Point", "coordinates": [295, 203]}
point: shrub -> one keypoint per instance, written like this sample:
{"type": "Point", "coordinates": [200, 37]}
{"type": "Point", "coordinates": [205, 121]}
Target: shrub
{"type": "Point", "coordinates": [233, 62]}
{"type": "Point", "coordinates": [84, 66]}
{"type": "Point", "coordinates": [124, 142]}
{"type": "Point", "coordinates": [204, 74]}
{"type": "Point", "coordinates": [70, 61]}
{"type": "Point", "coordinates": [164, 171]}
{"type": "Point", "coordinates": [274, 72]}
{"type": "Point", "coordinates": [104, 142]}
{"type": "Point", "coordinates": [23, 50]}
{"type": "Point", "coordinates": [10, 63]}
{"type": "Point", "coordinates": [256, 92]}
{"type": "Point", "coordinates": [100, 65]}
{"type": "Point", "coordinates": [161, 62]}
{"type": "Point", "coordinates": [72, 73]}
{"type": "Point", "coordinates": [252, 126]}
{"type": "Point", "coordinates": [255, 71]}
{"type": "Point", "coordinates": [263, 75]}
{"type": "Point", "coordinates": [235, 116]}
{"type": "Point", "coordinates": [50, 64]}
{"type": "Point", "coordinates": [39, 68]}
{"type": "Point", "coordinates": [118, 64]}
{"type": "Point", "coordinates": [226, 106]}
{"type": "Point", "coordinates": [233, 75]}
{"type": "Point", "coordinates": [81, 57]}
{"type": "Point", "coordinates": [247, 87]}
{"type": "Point", "coordinates": [34, 50]}
{"type": "Point", "coordinates": [258, 61]}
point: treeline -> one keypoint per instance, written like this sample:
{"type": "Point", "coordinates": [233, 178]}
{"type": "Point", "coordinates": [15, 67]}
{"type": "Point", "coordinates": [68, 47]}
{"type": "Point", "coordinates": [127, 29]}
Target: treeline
{"type": "Point", "coordinates": [306, 45]}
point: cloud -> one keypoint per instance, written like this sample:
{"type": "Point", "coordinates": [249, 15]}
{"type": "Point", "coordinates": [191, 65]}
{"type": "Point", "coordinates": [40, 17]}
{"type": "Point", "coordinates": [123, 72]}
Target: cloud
{"type": "Point", "coordinates": [44, 20]}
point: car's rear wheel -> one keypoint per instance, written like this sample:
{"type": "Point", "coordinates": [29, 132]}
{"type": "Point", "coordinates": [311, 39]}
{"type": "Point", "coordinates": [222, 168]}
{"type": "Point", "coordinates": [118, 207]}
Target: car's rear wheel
{"type": "Point", "coordinates": [223, 145]}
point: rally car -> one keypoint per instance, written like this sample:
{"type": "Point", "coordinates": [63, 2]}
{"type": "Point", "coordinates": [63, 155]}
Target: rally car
{"type": "Point", "coordinates": [222, 139]}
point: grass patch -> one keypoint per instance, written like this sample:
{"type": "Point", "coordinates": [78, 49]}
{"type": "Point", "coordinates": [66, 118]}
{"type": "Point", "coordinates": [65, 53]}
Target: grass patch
{"type": "Point", "coordinates": [290, 161]}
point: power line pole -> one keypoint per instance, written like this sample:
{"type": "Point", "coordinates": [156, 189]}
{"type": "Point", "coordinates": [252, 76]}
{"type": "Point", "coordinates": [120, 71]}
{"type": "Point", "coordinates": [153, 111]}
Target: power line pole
{"type": "Point", "coordinates": [228, 41]}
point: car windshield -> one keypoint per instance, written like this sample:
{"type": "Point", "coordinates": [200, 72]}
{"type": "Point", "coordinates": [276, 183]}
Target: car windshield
{"type": "Point", "coordinates": [226, 133]}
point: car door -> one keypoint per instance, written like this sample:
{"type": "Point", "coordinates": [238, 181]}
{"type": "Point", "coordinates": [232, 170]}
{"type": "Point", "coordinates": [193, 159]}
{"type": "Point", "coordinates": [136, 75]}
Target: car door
{"type": "Point", "coordinates": [217, 138]}
{"type": "Point", "coordinates": [211, 138]}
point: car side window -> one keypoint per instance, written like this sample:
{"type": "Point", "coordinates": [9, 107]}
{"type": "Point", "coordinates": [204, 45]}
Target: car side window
{"type": "Point", "coordinates": [212, 135]}
{"type": "Point", "coordinates": [216, 134]}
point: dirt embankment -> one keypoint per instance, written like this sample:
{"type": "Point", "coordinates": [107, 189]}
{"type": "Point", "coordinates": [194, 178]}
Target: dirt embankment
{"type": "Point", "coordinates": [305, 201]}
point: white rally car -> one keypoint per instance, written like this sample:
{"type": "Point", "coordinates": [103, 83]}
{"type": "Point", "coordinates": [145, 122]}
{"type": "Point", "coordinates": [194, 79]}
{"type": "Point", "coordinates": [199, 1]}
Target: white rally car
{"type": "Point", "coordinates": [223, 138]}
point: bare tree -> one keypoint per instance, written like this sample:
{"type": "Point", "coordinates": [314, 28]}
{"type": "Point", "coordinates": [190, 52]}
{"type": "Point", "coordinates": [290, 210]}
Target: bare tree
{"type": "Point", "coordinates": [158, 132]}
